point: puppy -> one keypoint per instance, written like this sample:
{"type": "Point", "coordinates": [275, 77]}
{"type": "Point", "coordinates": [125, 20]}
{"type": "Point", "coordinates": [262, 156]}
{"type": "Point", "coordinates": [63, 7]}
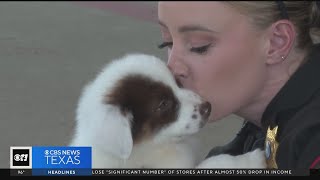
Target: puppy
{"type": "Point", "coordinates": [134, 115]}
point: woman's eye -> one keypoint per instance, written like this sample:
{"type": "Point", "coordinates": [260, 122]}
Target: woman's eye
{"type": "Point", "coordinates": [165, 44]}
{"type": "Point", "coordinates": [201, 49]}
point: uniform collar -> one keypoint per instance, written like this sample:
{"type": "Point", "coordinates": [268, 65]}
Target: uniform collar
{"type": "Point", "coordinates": [298, 89]}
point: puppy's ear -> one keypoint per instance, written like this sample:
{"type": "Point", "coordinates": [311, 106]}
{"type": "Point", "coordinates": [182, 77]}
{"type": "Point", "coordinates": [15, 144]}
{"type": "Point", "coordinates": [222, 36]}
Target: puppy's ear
{"type": "Point", "coordinates": [115, 133]}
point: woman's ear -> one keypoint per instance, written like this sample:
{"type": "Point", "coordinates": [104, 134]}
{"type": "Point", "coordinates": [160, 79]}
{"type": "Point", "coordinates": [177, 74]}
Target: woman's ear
{"type": "Point", "coordinates": [281, 39]}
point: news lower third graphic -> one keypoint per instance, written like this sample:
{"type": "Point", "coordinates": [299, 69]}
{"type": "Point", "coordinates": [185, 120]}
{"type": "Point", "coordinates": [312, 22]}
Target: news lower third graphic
{"type": "Point", "coordinates": [50, 160]}
{"type": "Point", "coordinates": [77, 161]}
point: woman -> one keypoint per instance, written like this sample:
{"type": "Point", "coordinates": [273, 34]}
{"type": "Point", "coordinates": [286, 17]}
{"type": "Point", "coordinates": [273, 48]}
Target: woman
{"type": "Point", "coordinates": [259, 60]}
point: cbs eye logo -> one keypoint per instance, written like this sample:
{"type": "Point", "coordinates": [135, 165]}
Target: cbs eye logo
{"type": "Point", "coordinates": [20, 157]}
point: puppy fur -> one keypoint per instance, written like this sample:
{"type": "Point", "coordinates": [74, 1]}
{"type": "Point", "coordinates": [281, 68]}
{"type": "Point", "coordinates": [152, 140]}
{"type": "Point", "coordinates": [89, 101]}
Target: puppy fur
{"type": "Point", "coordinates": [254, 160]}
{"type": "Point", "coordinates": [134, 115]}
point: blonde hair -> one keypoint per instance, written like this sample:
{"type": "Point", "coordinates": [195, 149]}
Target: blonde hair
{"type": "Point", "coordinates": [305, 15]}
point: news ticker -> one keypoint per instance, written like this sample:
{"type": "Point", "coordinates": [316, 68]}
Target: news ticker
{"type": "Point", "coordinates": [77, 161]}
{"type": "Point", "coordinates": [152, 172]}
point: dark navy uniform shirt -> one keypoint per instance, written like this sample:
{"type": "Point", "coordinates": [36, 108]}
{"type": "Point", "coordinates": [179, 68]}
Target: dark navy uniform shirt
{"type": "Point", "coordinates": [296, 111]}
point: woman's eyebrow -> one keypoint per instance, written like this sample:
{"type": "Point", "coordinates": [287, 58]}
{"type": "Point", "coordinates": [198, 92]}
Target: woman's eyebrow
{"type": "Point", "coordinates": [188, 28]}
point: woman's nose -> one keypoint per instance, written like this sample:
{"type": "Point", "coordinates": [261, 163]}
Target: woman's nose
{"type": "Point", "coordinates": [177, 67]}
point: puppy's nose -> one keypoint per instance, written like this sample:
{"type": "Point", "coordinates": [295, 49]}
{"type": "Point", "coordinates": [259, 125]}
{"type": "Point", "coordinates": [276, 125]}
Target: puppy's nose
{"type": "Point", "coordinates": [205, 109]}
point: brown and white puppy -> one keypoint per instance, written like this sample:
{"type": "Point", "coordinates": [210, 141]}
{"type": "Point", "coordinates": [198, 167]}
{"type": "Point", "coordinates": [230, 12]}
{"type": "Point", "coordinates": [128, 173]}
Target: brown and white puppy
{"type": "Point", "coordinates": [134, 115]}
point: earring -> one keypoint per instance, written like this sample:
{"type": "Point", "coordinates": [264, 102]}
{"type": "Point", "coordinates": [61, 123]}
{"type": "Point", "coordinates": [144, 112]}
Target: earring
{"type": "Point", "coordinates": [282, 57]}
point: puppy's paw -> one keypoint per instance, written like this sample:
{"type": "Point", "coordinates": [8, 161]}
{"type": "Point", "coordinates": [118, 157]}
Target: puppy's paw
{"type": "Point", "coordinates": [257, 159]}
{"type": "Point", "coordinates": [217, 162]}
{"type": "Point", "coordinates": [254, 159]}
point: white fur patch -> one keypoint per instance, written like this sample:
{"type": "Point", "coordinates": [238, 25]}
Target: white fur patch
{"type": "Point", "coordinates": [254, 160]}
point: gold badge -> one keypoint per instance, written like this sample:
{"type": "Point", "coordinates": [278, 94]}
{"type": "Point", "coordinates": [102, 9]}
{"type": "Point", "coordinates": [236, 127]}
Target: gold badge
{"type": "Point", "coordinates": [271, 146]}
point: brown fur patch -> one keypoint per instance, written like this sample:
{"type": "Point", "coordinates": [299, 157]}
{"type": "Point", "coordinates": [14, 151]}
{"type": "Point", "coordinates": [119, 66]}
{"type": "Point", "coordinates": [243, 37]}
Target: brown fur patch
{"type": "Point", "coordinates": [152, 104]}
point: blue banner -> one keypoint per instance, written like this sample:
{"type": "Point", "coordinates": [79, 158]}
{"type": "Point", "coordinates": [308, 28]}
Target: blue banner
{"type": "Point", "coordinates": [61, 160]}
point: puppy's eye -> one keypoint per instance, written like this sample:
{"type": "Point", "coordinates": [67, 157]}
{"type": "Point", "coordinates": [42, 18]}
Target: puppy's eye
{"type": "Point", "coordinates": [163, 105]}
